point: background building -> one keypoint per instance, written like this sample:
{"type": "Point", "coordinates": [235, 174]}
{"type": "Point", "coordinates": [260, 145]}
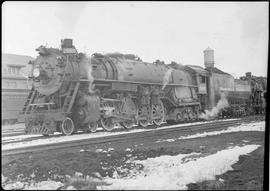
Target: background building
{"type": "Point", "coordinates": [15, 70]}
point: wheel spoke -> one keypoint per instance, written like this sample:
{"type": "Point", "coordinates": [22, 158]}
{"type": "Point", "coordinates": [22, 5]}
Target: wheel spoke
{"type": "Point", "coordinates": [107, 124]}
{"type": "Point", "coordinates": [68, 126]}
{"type": "Point", "coordinates": [143, 122]}
{"type": "Point", "coordinates": [158, 110]}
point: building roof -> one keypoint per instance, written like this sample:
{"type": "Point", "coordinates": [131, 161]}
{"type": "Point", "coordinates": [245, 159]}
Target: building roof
{"type": "Point", "coordinates": [18, 61]}
{"type": "Point", "coordinates": [217, 71]}
{"type": "Point", "coordinates": [15, 60]}
{"type": "Point", "coordinates": [198, 69]}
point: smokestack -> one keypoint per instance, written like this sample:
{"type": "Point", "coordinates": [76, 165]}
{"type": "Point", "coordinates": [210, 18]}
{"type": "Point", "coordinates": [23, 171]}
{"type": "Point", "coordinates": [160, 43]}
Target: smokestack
{"type": "Point", "coordinates": [209, 58]}
{"type": "Point", "coordinates": [66, 43]}
{"type": "Point", "coordinates": [67, 46]}
{"type": "Point", "coordinates": [248, 74]}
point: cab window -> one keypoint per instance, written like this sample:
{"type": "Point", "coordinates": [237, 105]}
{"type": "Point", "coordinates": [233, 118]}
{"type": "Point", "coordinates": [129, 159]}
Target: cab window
{"type": "Point", "coordinates": [202, 79]}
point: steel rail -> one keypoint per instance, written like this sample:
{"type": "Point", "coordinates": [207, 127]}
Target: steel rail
{"type": "Point", "coordinates": [121, 137]}
{"type": "Point", "coordinates": [149, 132]}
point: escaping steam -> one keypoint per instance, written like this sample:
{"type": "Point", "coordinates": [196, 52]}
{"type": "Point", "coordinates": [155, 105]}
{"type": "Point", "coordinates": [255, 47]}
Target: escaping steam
{"type": "Point", "coordinates": [88, 69]}
{"type": "Point", "coordinates": [166, 78]}
{"type": "Point", "coordinates": [222, 103]}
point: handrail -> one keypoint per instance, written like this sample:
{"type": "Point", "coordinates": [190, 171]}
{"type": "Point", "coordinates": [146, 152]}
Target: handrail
{"type": "Point", "coordinates": [132, 82]}
{"type": "Point", "coordinates": [42, 104]}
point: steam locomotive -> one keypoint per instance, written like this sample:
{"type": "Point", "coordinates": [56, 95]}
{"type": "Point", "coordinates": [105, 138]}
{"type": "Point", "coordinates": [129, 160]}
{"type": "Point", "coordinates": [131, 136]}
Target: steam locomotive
{"type": "Point", "coordinates": [72, 91]}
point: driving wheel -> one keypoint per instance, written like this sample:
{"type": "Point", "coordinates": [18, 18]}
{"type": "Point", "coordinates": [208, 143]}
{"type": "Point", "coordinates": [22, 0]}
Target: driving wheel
{"type": "Point", "coordinates": [107, 123]}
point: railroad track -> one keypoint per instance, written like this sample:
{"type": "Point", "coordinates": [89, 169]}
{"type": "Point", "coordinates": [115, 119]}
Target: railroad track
{"type": "Point", "coordinates": [121, 129]}
{"type": "Point", "coordinates": [217, 125]}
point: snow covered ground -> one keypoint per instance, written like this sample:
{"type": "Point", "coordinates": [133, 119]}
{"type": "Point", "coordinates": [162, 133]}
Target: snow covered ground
{"type": "Point", "coordinates": [8, 142]}
{"type": "Point", "coordinates": [257, 126]}
{"type": "Point", "coordinates": [175, 172]}
{"type": "Point", "coordinates": [164, 172]}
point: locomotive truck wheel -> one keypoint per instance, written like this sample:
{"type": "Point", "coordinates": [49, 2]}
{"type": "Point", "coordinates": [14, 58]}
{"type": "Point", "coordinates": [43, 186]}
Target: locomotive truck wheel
{"type": "Point", "coordinates": [93, 127]}
{"type": "Point", "coordinates": [127, 124]}
{"type": "Point", "coordinates": [107, 124]}
{"type": "Point", "coordinates": [67, 126]}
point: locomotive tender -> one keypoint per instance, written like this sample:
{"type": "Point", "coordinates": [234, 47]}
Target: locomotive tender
{"type": "Point", "coordinates": [72, 91]}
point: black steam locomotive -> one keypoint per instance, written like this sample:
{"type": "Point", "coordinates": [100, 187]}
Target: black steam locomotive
{"type": "Point", "coordinates": [72, 91]}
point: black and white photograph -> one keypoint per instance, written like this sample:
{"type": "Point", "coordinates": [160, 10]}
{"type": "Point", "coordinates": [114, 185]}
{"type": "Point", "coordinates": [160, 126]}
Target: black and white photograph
{"type": "Point", "coordinates": [135, 95]}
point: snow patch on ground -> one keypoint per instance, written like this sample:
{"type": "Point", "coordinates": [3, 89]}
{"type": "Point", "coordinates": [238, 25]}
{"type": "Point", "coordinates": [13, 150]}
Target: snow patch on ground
{"type": "Point", "coordinates": [104, 151]}
{"type": "Point", "coordinates": [110, 149]}
{"type": "Point", "coordinates": [44, 185]}
{"type": "Point", "coordinates": [175, 172]}
{"type": "Point", "coordinates": [128, 149]}
{"type": "Point", "coordinates": [3, 179]}
{"type": "Point", "coordinates": [257, 126]}
{"type": "Point", "coordinates": [50, 140]}
{"type": "Point", "coordinates": [99, 150]}
{"type": "Point", "coordinates": [18, 138]}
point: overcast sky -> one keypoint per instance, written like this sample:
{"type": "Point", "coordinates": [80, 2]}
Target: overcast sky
{"type": "Point", "coordinates": [169, 31]}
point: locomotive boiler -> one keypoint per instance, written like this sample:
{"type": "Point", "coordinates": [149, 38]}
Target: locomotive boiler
{"type": "Point", "coordinates": [72, 91]}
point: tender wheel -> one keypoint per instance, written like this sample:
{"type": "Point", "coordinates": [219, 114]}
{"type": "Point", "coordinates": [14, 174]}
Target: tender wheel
{"type": "Point", "coordinates": [93, 127]}
{"type": "Point", "coordinates": [158, 113]}
{"type": "Point", "coordinates": [67, 126]}
{"type": "Point", "coordinates": [107, 123]}
{"type": "Point", "coordinates": [127, 124]}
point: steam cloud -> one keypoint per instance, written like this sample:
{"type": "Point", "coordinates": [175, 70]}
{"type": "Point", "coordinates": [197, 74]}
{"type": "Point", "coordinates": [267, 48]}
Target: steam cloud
{"type": "Point", "coordinates": [166, 78]}
{"type": "Point", "coordinates": [222, 103]}
{"type": "Point", "coordinates": [88, 69]}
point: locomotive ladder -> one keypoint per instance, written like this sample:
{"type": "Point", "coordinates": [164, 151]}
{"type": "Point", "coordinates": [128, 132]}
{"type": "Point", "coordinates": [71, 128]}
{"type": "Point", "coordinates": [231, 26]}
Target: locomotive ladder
{"type": "Point", "coordinates": [69, 99]}
{"type": "Point", "coordinates": [29, 101]}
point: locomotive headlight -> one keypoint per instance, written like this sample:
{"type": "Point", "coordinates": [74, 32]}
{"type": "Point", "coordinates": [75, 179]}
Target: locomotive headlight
{"type": "Point", "coordinates": [36, 72]}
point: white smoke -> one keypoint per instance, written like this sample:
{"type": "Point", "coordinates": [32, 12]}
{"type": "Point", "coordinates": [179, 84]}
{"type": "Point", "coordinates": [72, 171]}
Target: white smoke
{"type": "Point", "coordinates": [88, 69]}
{"type": "Point", "coordinates": [222, 103]}
{"type": "Point", "coordinates": [166, 78]}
